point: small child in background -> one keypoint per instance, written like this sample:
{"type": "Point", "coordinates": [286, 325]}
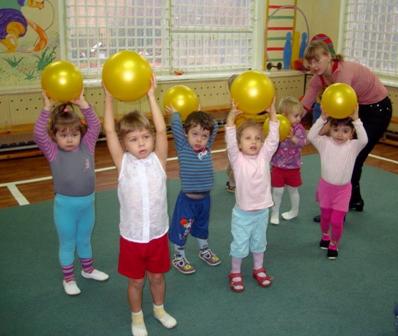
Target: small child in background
{"type": "Point", "coordinates": [286, 162]}
{"type": "Point", "coordinates": [69, 147]}
{"type": "Point", "coordinates": [338, 151]}
{"type": "Point", "coordinates": [250, 156]}
{"type": "Point", "coordinates": [192, 209]}
{"type": "Point", "coordinates": [140, 154]}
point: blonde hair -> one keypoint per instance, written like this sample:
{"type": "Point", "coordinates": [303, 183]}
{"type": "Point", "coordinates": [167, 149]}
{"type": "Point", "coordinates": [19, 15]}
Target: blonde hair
{"type": "Point", "coordinates": [133, 121]}
{"type": "Point", "coordinates": [289, 105]}
{"type": "Point", "coordinates": [317, 48]}
{"type": "Point", "coordinates": [248, 124]}
{"type": "Point", "coordinates": [64, 117]}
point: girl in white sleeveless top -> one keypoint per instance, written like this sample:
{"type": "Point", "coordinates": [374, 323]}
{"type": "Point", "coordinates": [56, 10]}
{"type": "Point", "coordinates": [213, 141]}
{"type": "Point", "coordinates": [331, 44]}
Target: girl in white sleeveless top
{"type": "Point", "coordinates": [140, 156]}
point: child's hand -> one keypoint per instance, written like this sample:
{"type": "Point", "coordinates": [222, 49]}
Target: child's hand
{"type": "Point", "coordinates": [107, 94]}
{"type": "Point", "coordinates": [355, 114]}
{"type": "Point", "coordinates": [324, 116]}
{"type": "Point", "coordinates": [81, 101]}
{"type": "Point", "coordinates": [151, 91]}
{"type": "Point", "coordinates": [170, 110]}
{"type": "Point", "coordinates": [233, 114]}
{"type": "Point", "coordinates": [48, 104]}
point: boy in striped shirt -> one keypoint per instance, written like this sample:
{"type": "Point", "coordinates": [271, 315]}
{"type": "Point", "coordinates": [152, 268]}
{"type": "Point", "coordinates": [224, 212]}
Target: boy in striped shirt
{"type": "Point", "coordinates": [192, 209]}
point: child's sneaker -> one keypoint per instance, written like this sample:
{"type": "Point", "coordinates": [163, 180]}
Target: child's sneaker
{"type": "Point", "coordinates": [229, 188]}
{"type": "Point", "coordinates": [183, 265]}
{"type": "Point", "coordinates": [332, 254]}
{"type": "Point", "coordinates": [324, 244]}
{"type": "Point", "coordinates": [71, 288]}
{"type": "Point", "coordinates": [209, 257]}
{"type": "Point", "coordinates": [95, 275]}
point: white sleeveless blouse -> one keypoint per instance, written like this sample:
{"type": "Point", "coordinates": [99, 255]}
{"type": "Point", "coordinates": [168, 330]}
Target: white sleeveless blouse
{"type": "Point", "coordinates": [142, 198]}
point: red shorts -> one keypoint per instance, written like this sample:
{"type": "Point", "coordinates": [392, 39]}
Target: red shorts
{"type": "Point", "coordinates": [281, 177]}
{"type": "Point", "coordinates": [137, 258]}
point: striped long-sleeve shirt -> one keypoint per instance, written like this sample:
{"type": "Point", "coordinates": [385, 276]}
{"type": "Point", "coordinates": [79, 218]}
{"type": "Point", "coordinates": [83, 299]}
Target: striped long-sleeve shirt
{"type": "Point", "coordinates": [196, 169]}
{"type": "Point", "coordinates": [73, 172]}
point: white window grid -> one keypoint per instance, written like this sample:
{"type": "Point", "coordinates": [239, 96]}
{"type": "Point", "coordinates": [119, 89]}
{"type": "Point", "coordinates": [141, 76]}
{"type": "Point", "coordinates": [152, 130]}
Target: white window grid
{"type": "Point", "coordinates": [371, 34]}
{"type": "Point", "coordinates": [173, 35]}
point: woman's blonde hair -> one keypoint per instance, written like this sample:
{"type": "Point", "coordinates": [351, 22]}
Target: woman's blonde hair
{"type": "Point", "coordinates": [247, 124]}
{"type": "Point", "coordinates": [289, 105]}
{"type": "Point", "coordinates": [317, 48]}
{"type": "Point", "coordinates": [133, 121]}
{"type": "Point", "coordinates": [64, 117]}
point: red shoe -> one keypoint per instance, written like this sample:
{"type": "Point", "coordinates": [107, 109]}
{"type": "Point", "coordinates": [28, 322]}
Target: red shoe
{"type": "Point", "coordinates": [263, 281]}
{"type": "Point", "coordinates": [236, 286]}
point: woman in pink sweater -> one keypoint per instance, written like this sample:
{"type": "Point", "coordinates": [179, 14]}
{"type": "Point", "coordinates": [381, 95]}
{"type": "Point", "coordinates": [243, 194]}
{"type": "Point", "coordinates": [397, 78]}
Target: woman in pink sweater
{"type": "Point", "coordinates": [375, 108]}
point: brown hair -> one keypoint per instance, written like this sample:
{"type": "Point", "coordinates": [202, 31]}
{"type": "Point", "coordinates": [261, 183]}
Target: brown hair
{"type": "Point", "coordinates": [341, 122]}
{"type": "Point", "coordinates": [288, 105]}
{"type": "Point", "coordinates": [200, 118]}
{"type": "Point", "coordinates": [247, 124]}
{"type": "Point", "coordinates": [317, 48]}
{"type": "Point", "coordinates": [65, 117]}
{"type": "Point", "coordinates": [133, 121]}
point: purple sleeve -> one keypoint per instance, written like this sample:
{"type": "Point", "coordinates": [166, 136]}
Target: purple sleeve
{"type": "Point", "coordinates": [93, 128]}
{"type": "Point", "coordinates": [301, 135]}
{"type": "Point", "coordinates": [41, 137]}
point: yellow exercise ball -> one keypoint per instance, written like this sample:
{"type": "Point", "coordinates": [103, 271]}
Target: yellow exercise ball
{"type": "Point", "coordinates": [62, 81]}
{"type": "Point", "coordinates": [284, 126]}
{"type": "Point", "coordinates": [339, 101]}
{"type": "Point", "coordinates": [127, 75]}
{"type": "Point", "coordinates": [252, 92]}
{"type": "Point", "coordinates": [182, 98]}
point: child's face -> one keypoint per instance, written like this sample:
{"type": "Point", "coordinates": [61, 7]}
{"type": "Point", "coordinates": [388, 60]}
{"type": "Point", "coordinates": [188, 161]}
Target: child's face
{"type": "Point", "coordinates": [294, 117]}
{"type": "Point", "coordinates": [139, 143]}
{"type": "Point", "coordinates": [198, 138]}
{"type": "Point", "coordinates": [318, 65]}
{"type": "Point", "coordinates": [68, 139]}
{"type": "Point", "coordinates": [250, 141]}
{"type": "Point", "coordinates": [341, 133]}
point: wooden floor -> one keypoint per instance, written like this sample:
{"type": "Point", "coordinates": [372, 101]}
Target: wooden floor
{"type": "Point", "coordinates": [28, 179]}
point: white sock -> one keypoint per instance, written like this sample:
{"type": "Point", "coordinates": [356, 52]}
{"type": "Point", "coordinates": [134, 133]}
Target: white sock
{"type": "Point", "coordinates": [163, 317]}
{"type": "Point", "coordinates": [138, 327]}
{"type": "Point", "coordinates": [277, 194]}
{"type": "Point", "coordinates": [295, 201]}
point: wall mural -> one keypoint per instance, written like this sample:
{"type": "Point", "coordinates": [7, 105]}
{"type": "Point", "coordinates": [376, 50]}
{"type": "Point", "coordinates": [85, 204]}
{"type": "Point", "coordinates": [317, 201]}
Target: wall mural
{"type": "Point", "coordinates": [28, 40]}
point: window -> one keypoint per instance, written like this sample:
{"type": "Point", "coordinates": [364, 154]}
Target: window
{"type": "Point", "coordinates": [173, 35]}
{"type": "Point", "coordinates": [371, 34]}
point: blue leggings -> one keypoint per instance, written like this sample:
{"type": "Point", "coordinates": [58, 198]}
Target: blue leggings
{"type": "Point", "coordinates": [74, 218]}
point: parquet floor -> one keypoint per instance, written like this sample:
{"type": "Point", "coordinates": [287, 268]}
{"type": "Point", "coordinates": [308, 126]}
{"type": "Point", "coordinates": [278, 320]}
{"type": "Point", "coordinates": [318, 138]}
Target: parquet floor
{"type": "Point", "coordinates": [27, 180]}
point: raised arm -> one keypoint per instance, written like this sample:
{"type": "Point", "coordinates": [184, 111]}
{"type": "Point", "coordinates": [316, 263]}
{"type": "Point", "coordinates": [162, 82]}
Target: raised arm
{"type": "Point", "coordinates": [112, 139]}
{"type": "Point", "coordinates": [230, 134]}
{"type": "Point", "coordinates": [161, 143]}
{"type": "Point", "coordinates": [93, 123]}
{"type": "Point", "coordinates": [40, 132]}
{"type": "Point", "coordinates": [362, 137]}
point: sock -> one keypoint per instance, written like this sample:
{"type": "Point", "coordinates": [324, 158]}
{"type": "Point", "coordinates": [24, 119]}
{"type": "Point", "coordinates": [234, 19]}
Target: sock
{"type": "Point", "coordinates": [138, 327]}
{"type": "Point", "coordinates": [68, 272]}
{"type": "Point", "coordinates": [294, 201]}
{"type": "Point", "coordinates": [203, 244]}
{"type": "Point", "coordinates": [163, 317]}
{"type": "Point", "coordinates": [87, 264]}
{"type": "Point", "coordinates": [258, 260]}
{"type": "Point", "coordinates": [236, 264]}
{"type": "Point", "coordinates": [277, 194]}
{"type": "Point", "coordinates": [179, 251]}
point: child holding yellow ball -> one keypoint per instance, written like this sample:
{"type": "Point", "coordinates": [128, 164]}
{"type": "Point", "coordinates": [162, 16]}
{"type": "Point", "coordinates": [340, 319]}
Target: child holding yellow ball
{"type": "Point", "coordinates": [286, 162]}
{"type": "Point", "coordinates": [250, 155]}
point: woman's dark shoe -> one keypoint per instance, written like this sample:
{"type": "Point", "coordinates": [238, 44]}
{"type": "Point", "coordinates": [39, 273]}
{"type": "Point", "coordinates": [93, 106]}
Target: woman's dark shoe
{"type": "Point", "coordinates": [317, 218]}
{"type": "Point", "coordinates": [357, 205]}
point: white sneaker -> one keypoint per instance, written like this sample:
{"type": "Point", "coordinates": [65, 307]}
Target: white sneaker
{"type": "Point", "coordinates": [95, 275]}
{"type": "Point", "coordinates": [71, 288]}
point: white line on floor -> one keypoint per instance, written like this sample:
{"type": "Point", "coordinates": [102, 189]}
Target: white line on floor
{"type": "Point", "coordinates": [19, 197]}
{"type": "Point", "coordinates": [12, 186]}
